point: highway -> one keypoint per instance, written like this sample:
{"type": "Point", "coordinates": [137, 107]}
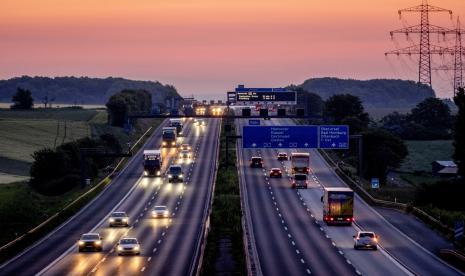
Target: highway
{"type": "Point", "coordinates": [162, 240]}
{"type": "Point", "coordinates": [276, 210]}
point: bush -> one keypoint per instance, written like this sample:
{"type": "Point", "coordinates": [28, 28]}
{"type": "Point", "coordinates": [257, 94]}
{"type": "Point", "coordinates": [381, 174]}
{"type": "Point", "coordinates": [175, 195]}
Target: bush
{"type": "Point", "coordinates": [445, 194]}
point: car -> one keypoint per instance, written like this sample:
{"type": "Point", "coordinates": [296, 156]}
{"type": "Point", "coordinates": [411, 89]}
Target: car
{"type": "Point", "coordinates": [90, 241]}
{"type": "Point", "coordinates": [366, 240]}
{"type": "Point", "coordinates": [175, 174]}
{"type": "Point", "coordinates": [256, 162]}
{"type": "Point", "coordinates": [185, 147]}
{"type": "Point", "coordinates": [200, 122]}
{"type": "Point", "coordinates": [128, 246]}
{"type": "Point", "coordinates": [185, 154]}
{"type": "Point", "coordinates": [282, 156]}
{"type": "Point", "coordinates": [300, 180]}
{"type": "Point", "coordinates": [276, 172]}
{"type": "Point", "coordinates": [160, 211]}
{"type": "Point", "coordinates": [118, 219]}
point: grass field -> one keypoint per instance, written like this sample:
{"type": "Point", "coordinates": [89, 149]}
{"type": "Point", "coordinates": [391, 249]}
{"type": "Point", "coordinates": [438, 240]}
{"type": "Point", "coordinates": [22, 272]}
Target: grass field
{"type": "Point", "coordinates": [422, 153]}
{"type": "Point", "coordinates": [24, 132]}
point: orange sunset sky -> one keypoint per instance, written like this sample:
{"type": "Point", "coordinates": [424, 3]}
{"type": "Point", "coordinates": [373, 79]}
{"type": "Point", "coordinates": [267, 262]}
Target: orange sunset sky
{"type": "Point", "coordinates": [206, 47]}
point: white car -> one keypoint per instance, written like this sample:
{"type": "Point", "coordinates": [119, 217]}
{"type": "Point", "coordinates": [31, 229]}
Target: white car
{"type": "Point", "coordinates": [128, 246]}
{"type": "Point", "coordinates": [118, 219]}
{"type": "Point", "coordinates": [366, 240]}
{"type": "Point", "coordinates": [186, 147]}
{"type": "Point", "coordinates": [160, 212]}
{"type": "Point", "coordinates": [185, 154]}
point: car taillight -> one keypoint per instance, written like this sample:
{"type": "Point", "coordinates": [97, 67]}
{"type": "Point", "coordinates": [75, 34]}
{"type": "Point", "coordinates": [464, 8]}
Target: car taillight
{"type": "Point", "coordinates": [331, 219]}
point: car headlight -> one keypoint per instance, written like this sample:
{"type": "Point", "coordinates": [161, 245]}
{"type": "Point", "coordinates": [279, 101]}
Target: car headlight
{"type": "Point", "coordinates": [98, 242]}
{"type": "Point", "coordinates": [170, 176]}
{"type": "Point", "coordinates": [164, 143]}
{"type": "Point", "coordinates": [125, 219]}
{"type": "Point", "coordinates": [112, 220]}
{"type": "Point", "coordinates": [158, 173]}
{"type": "Point", "coordinates": [120, 248]}
{"type": "Point", "coordinates": [173, 143]}
{"type": "Point", "coordinates": [146, 173]}
{"type": "Point", "coordinates": [81, 243]}
{"type": "Point", "coordinates": [136, 247]}
{"type": "Point", "coordinates": [181, 176]}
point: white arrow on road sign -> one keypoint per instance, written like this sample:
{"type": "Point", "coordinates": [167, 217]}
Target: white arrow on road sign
{"type": "Point", "coordinates": [254, 145]}
{"type": "Point", "coordinates": [333, 145]}
{"type": "Point", "coordinates": [280, 144]}
{"type": "Point", "coordinates": [306, 144]}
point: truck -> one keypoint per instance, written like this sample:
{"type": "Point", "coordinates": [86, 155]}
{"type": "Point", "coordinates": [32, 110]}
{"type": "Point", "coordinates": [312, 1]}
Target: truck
{"type": "Point", "coordinates": [177, 123]}
{"type": "Point", "coordinates": [152, 162]}
{"type": "Point", "coordinates": [169, 137]}
{"type": "Point", "coordinates": [338, 206]}
{"type": "Point", "coordinates": [300, 162]}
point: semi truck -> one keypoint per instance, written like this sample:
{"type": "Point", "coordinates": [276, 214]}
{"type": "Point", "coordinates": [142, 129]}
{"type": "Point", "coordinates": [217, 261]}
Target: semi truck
{"type": "Point", "coordinates": [177, 123]}
{"type": "Point", "coordinates": [300, 162]}
{"type": "Point", "coordinates": [169, 137]}
{"type": "Point", "coordinates": [152, 162]}
{"type": "Point", "coordinates": [338, 206]}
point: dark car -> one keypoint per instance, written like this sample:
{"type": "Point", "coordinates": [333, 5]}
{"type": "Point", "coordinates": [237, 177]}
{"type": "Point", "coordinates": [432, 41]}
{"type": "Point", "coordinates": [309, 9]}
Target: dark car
{"type": "Point", "coordinates": [276, 172]}
{"type": "Point", "coordinates": [256, 162]}
{"type": "Point", "coordinates": [90, 241]}
{"type": "Point", "coordinates": [282, 156]}
{"type": "Point", "coordinates": [175, 174]}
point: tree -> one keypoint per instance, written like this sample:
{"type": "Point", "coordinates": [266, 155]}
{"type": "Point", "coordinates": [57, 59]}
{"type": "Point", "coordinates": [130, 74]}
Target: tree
{"type": "Point", "coordinates": [125, 102]}
{"type": "Point", "coordinates": [459, 132]}
{"type": "Point", "coordinates": [382, 151]}
{"type": "Point", "coordinates": [346, 109]}
{"type": "Point", "coordinates": [434, 115]}
{"type": "Point", "coordinates": [22, 99]}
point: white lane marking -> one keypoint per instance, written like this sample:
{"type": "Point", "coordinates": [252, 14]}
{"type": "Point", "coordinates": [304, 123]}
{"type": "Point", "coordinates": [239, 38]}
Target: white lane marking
{"type": "Point", "coordinates": [142, 270]}
{"type": "Point", "coordinates": [340, 252]}
{"type": "Point", "coordinates": [149, 259]}
{"type": "Point", "coordinates": [154, 250]}
{"type": "Point", "coordinates": [308, 271]}
{"type": "Point", "coordinates": [302, 260]}
{"type": "Point", "coordinates": [297, 251]}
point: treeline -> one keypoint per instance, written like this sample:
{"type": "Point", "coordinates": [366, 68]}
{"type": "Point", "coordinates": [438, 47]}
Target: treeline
{"type": "Point", "coordinates": [383, 93]}
{"type": "Point", "coordinates": [431, 119]}
{"type": "Point", "coordinates": [81, 90]}
{"type": "Point", "coordinates": [127, 102]}
{"type": "Point", "coordinates": [56, 171]}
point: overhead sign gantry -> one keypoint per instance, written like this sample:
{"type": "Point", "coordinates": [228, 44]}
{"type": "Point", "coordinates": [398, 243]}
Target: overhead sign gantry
{"type": "Point", "coordinates": [244, 96]}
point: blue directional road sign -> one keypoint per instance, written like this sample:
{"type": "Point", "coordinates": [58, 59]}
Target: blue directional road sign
{"type": "Point", "coordinates": [254, 122]}
{"type": "Point", "coordinates": [280, 137]}
{"type": "Point", "coordinates": [334, 137]}
{"type": "Point", "coordinates": [375, 183]}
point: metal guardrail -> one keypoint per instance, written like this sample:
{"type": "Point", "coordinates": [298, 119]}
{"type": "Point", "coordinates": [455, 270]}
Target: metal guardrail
{"type": "Point", "coordinates": [384, 203]}
{"type": "Point", "coordinates": [105, 181]}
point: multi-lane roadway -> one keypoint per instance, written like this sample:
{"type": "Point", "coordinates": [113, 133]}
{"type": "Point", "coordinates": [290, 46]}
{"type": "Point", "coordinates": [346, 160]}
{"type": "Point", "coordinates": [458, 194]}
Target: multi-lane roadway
{"type": "Point", "coordinates": [291, 238]}
{"type": "Point", "coordinates": [169, 246]}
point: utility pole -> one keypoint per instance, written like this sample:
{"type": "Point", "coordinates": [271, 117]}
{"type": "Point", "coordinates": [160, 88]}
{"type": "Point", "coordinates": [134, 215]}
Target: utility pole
{"type": "Point", "coordinates": [459, 52]}
{"type": "Point", "coordinates": [424, 49]}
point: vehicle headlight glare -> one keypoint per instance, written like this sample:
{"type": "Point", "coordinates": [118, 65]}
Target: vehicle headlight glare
{"type": "Point", "coordinates": [81, 243]}
{"type": "Point", "coordinates": [98, 242]}
{"type": "Point", "coordinates": [120, 247]}
{"type": "Point", "coordinates": [112, 219]}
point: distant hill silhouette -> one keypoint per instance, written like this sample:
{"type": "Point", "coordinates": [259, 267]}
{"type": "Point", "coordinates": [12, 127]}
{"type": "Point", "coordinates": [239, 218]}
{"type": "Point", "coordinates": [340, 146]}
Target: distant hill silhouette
{"type": "Point", "coordinates": [374, 93]}
{"type": "Point", "coordinates": [81, 90]}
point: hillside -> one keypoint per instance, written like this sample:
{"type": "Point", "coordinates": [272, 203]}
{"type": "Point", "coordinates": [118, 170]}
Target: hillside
{"type": "Point", "coordinates": [374, 93]}
{"type": "Point", "coordinates": [82, 90]}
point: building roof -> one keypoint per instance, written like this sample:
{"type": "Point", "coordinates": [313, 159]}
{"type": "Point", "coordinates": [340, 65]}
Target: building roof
{"type": "Point", "coordinates": [448, 170]}
{"type": "Point", "coordinates": [446, 163]}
